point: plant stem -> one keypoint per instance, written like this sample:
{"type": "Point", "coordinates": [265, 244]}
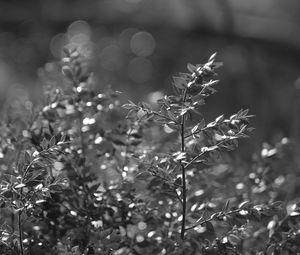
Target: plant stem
{"type": "Point", "coordinates": [182, 129]}
{"type": "Point", "coordinates": [20, 232]}
{"type": "Point", "coordinates": [183, 203]}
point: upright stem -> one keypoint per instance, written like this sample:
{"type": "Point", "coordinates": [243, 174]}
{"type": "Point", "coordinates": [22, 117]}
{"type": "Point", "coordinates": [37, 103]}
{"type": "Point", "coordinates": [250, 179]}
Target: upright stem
{"type": "Point", "coordinates": [20, 232]}
{"type": "Point", "coordinates": [182, 128]}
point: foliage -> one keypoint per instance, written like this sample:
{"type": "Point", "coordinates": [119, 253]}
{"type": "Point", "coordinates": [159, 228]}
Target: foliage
{"type": "Point", "coordinates": [78, 178]}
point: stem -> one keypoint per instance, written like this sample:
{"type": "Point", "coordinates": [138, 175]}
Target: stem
{"type": "Point", "coordinates": [20, 232]}
{"type": "Point", "coordinates": [183, 172]}
{"type": "Point", "coordinates": [183, 202]}
{"type": "Point", "coordinates": [81, 136]}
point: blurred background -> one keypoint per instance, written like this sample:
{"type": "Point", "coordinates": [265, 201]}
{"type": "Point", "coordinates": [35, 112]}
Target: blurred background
{"type": "Point", "coordinates": [137, 45]}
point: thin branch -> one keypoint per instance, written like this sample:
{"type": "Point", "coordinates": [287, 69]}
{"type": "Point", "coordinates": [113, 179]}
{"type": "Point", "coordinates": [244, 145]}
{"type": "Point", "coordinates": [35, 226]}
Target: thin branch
{"type": "Point", "coordinates": [218, 215]}
{"type": "Point", "coordinates": [197, 132]}
{"type": "Point", "coordinates": [202, 153]}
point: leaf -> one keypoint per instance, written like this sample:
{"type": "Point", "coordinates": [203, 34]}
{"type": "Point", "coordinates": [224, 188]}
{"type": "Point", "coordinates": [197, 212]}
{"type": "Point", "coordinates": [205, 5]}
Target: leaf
{"type": "Point", "coordinates": [2, 204]}
{"type": "Point", "coordinates": [128, 106]}
{"type": "Point", "coordinates": [271, 250]}
{"type": "Point", "coordinates": [234, 239]}
{"type": "Point", "coordinates": [142, 175]}
{"type": "Point", "coordinates": [178, 181]}
{"type": "Point", "coordinates": [27, 157]}
{"type": "Point", "coordinates": [66, 70]}
{"type": "Point", "coordinates": [219, 119]}
{"type": "Point", "coordinates": [40, 201]}
{"type": "Point", "coordinates": [212, 57]}
{"type": "Point", "coordinates": [210, 230]}
{"type": "Point", "coordinates": [168, 129]}
{"type": "Point", "coordinates": [63, 138]}
{"type": "Point", "coordinates": [179, 156]}
{"type": "Point", "coordinates": [7, 193]}
{"type": "Point", "coordinates": [211, 124]}
{"type": "Point", "coordinates": [119, 142]}
{"type": "Point", "coordinates": [19, 186]}
{"type": "Point", "coordinates": [180, 82]}
{"type": "Point", "coordinates": [75, 250]}
{"type": "Point", "coordinates": [245, 205]}
{"type": "Point", "coordinates": [212, 83]}
{"type": "Point", "coordinates": [199, 126]}
{"type": "Point", "coordinates": [141, 113]}
{"type": "Point", "coordinates": [44, 144]}
{"type": "Point", "coordinates": [226, 206]}
{"type": "Point", "coordinates": [52, 141]}
{"type": "Point", "coordinates": [191, 67]}
{"type": "Point", "coordinates": [171, 115]}
{"type": "Point", "coordinates": [294, 214]}
{"type": "Point", "coordinates": [216, 65]}
{"type": "Point", "coordinates": [212, 148]}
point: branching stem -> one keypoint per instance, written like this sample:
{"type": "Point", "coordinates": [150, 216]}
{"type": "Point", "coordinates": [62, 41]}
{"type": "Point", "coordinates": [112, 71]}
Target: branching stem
{"type": "Point", "coordinates": [220, 215]}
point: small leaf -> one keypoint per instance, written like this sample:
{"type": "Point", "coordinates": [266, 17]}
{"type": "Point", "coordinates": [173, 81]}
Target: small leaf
{"type": "Point", "coordinates": [179, 82]}
{"type": "Point", "coordinates": [63, 138]}
{"type": "Point", "coordinates": [27, 157]}
{"type": "Point", "coordinates": [44, 144]}
{"type": "Point", "coordinates": [212, 57]}
{"type": "Point", "coordinates": [234, 239]}
{"type": "Point", "coordinates": [294, 214]}
{"type": "Point", "coordinates": [226, 206]}
{"type": "Point", "coordinates": [7, 193]}
{"type": "Point", "coordinates": [245, 205]}
{"type": "Point", "coordinates": [2, 204]}
{"type": "Point", "coordinates": [271, 250]}
{"type": "Point", "coordinates": [171, 115]}
{"type": "Point", "coordinates": [211, 124]}
{"type": "Point", "coordinates": [141, 113]}
{"type": "Point", "coordinates": [142, 175]}
{"type": "Point", "coordinates": [66, 70]}
{"type": "Point", "coordinates": [216, 65]}
{"type": "Point", "coordinates": [191, 67]}
{"type": "Point", "coordinates": [19, 186]}
{"type": "Point", "coordinates": [219, 119]}
{"type": "Point", "coordinates": [178, 181]}
{"type": "Point", "coordinates": [52, 141]}
{"type": "Point", "coordinates": [119, 142]}
{"type": "Point", "coordinates": [40, 201]}
{"type": "Point", "coordinates": [128, 106]}
{"type": "Point", "coordinates": [168, 129]}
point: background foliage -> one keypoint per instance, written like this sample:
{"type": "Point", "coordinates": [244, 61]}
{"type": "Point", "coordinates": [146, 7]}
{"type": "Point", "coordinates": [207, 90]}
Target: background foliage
{"type": "Point", "coordinates": [138, 48]}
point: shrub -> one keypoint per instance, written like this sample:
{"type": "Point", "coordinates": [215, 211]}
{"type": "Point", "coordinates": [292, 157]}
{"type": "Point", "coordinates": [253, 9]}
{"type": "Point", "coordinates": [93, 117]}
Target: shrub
{"type": "Point", "coordinates": [79, 178]}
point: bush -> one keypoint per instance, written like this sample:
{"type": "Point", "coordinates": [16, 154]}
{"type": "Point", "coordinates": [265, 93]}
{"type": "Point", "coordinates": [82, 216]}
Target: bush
{"type": "Point", "coordinates": [79, 178]}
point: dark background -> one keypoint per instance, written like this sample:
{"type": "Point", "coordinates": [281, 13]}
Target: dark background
{"type": "Point", "coordinates": [137, 45]}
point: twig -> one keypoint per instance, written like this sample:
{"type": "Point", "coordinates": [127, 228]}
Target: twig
{"type": "Point", "coordinates": [218, 215]}
{"type": "Point", "coordinates": [202, 153]}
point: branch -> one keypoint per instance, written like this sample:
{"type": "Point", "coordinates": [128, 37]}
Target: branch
{"type": "Point", "coordinates": [214, 216]}
{"type": "Point", "coordinates": [202, 153]}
